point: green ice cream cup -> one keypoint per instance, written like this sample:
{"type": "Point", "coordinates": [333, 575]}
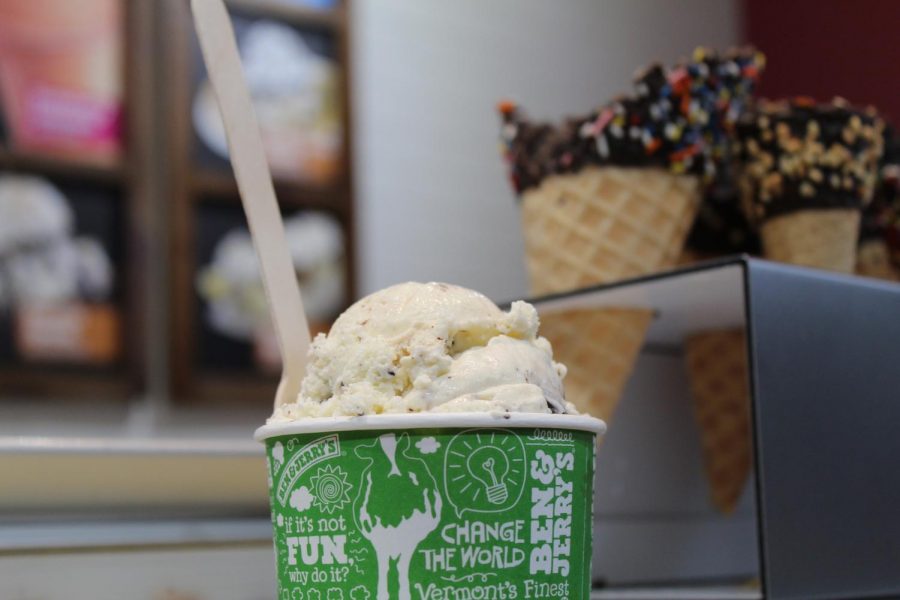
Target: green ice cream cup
{"type": "Point", "coordinates": [433, 506]}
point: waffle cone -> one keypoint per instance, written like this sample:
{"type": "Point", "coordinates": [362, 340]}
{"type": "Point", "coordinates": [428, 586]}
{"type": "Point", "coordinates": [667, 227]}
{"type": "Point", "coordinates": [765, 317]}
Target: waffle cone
{"type": "Point", "coordinates": [873, 260]}
{"type": "Point", "coordinates": [717, 370]}
{"type": "Point", "coordinates": [599, 347]}
{"type": "Point", "coordinates": [823, 238]}
{"type": "Point", "coordinates": [603, 224]}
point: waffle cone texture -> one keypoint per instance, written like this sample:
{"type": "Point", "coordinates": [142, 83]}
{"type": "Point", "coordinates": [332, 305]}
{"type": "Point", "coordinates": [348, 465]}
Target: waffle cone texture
{"type": "Point", "coordinates": [873, 259]}
{"type": "Point", "coordinates": [821, 238]}
{"type": "Point", "coordinates": [599, 347]}
{"type": "Point", "coordinates": [603, 224]}
{"type": "Point", "coordinates": [718, 375]}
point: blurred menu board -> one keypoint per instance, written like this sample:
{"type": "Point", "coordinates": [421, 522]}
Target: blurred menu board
{"type": "Point", "coordinates": [233, 329]}
{"type": "Point", "coordinates": [61, 77]}
{"type": "Point", "coordinates": [223, 347]}
{"type": "Point", "coordinates": [60, 286]}
{"type": "Point", "coordinates": [293, 80]}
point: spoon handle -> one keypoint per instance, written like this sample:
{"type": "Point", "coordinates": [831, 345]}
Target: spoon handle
{"type": "Point", "coordinates": [254, 182]}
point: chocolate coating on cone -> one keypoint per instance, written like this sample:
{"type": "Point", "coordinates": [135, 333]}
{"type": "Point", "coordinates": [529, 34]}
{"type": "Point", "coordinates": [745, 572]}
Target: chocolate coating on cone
{"type": "Point", "coordinates": [881, 219]}
{"type": "Point", "coordinates": [721, 226]}
{"type": "Point", "coordinates": [801, 155]}
{"type": "Point", "coordinates": [680, 118]}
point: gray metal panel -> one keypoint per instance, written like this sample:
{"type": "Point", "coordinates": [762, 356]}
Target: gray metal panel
{"type": "Point", "coordinates": [654, 519]}
{"type": "Point", "coordinates": [826, 357]}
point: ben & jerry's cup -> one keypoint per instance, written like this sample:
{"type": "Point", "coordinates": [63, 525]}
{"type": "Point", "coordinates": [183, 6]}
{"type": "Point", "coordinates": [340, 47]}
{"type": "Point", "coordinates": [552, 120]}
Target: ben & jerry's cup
{"type": "Point", "coordinates": [472, 506]}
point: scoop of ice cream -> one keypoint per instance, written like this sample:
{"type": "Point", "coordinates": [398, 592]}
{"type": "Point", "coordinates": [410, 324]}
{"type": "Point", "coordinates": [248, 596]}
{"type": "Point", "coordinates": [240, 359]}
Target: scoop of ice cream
{"type": "Point", "coordinates": [430, 347]}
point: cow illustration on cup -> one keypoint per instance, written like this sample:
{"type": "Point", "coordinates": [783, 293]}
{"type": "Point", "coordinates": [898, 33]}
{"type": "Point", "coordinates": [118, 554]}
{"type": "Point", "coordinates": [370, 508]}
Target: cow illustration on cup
{"type": "Point", "coordinates": [397, 507]}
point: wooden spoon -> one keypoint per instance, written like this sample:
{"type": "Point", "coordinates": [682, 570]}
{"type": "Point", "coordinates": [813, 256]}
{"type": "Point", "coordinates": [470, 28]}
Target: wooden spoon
{"type": "Point", "coordinates": [248, 159]}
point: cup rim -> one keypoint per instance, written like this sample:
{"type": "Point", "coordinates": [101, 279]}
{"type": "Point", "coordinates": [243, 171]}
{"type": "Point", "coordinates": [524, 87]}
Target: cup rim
{"type": "Point", "coordinates": [512, 420]}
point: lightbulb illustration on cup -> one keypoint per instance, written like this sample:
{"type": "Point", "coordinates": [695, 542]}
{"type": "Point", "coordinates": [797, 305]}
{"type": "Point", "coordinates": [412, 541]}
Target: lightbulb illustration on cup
{"type": "Point", "coordinates": [490, 466]}
{"type": "Point", "coordinates": [484, 471]}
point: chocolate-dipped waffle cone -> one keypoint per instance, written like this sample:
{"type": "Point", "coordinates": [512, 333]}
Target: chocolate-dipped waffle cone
{"type": "Point", "coordinates": [604, 224]}
{"type": "Point", "coordinates": [823, 239]}
{"type": "Point", "coordinates": [599, 348]}
{"type": "Point", "coordinates": [612, 195]}
{"type": "Point", "coordinates": [600, 225]}
{"type": "Point", "coordinates": [717, 371]}
{"type": "Point", "coordinates": [809, 171]}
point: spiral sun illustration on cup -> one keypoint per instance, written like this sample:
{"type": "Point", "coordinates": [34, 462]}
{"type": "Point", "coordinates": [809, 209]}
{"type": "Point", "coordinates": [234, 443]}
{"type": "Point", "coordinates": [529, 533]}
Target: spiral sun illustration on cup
{"type": "Point", "coordinates": [331, 488]}
{"type": "Point", "coordinates": [484, 471]}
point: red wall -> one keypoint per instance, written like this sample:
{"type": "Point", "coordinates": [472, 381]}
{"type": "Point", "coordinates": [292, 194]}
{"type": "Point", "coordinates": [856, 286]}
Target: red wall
{"type": "Point", "coordinates": [826, 48]}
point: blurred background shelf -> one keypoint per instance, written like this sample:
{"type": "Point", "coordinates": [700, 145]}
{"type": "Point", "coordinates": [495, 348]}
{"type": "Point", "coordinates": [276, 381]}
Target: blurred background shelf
{"type": "Point", "coordinates": [328, 17]}
{"type": "Point", "coordinates": [116, 476]}
{"type": "Point", "coordinates": [168, 560]}
{"type": "Point", "coordinates": [129, 534]}
{"type": "Point", "coordinates": [176, 200]}
{"type": "Point", "coordinates": [221, 186]}
{"type": "Point", "coordinates": [32, 162]}
{"type": "Point", "coordinates": [49, 382]}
